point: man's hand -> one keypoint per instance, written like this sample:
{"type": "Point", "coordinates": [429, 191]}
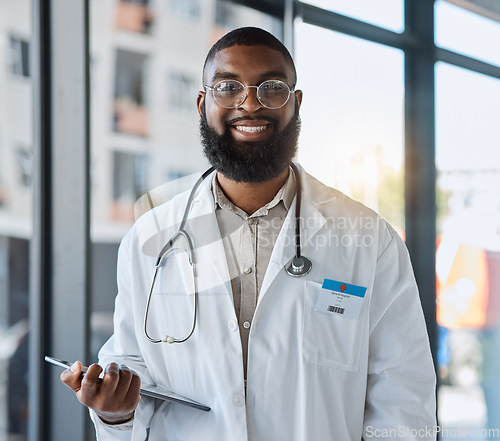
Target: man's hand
{"type": "Point", "coordinates": [114, 399]}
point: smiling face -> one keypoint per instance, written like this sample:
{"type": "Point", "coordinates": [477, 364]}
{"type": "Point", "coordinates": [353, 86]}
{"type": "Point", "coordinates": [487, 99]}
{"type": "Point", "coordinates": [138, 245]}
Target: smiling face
{"type": "Point", "coordinates": [250, 142]}
{"type": "Point", "coordinates": [251, 65]}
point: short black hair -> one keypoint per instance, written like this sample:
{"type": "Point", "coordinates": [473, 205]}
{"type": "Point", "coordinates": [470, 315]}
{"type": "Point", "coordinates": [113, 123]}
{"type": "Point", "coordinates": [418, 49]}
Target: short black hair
{"type": "Point", "coordinates": [250, 36]}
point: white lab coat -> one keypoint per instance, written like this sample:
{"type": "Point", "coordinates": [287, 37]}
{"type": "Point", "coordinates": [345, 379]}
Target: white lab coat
{"type": "Point", "coordinates": [311, 376]}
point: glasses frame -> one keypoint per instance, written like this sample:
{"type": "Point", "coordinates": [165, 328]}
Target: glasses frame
{"type": "Point", "coordinates": [290, 91]}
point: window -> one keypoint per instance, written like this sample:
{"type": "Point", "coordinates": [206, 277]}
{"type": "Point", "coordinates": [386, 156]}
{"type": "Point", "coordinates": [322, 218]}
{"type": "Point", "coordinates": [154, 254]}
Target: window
{"type": "Point", "coordinates": [187, 9]}
{"type": "Point", "coordinates": [19, 57]}
{"type": "Point", "coordinates": [3, 161]}
{"type": "Point", "coordinates": [15, 217]}
{"type": "Point", "coordinates": [25, 166]}
{"type": "Point", "coordinates": [14, 299]}
{"type": "Point", "coordinates": [130, 114]}
{"type": "Point", "coordinates": [130, 172]}
{"type": "Point", "coordinates": [182, 90]}
{"type": "Point", "coordinates": [468, 33]}
{"type": "Point", "coordinates": [384, 13]}
{"type": "Point", "coordinates": [468, 255]}
{"type": "Point", "coordinates": [134, 16]}
{"type": "Point", "coordinates": [127, 165]}
{"type": "Point", "coordinates": [352, 114]}
{"type": "Point", "coordinates": [230, 16]}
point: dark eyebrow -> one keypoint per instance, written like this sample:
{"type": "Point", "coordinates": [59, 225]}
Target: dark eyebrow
{"type": "Point", "coordinates": [272, 74]}
{"type": "Point", "coordinates": [224, 76]}
{"type": "Point", "coordinates": [275, 74]}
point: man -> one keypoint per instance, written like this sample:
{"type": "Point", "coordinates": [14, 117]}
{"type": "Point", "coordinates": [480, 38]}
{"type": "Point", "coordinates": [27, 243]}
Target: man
{"type": "Point", "coordinates": [340, 353]}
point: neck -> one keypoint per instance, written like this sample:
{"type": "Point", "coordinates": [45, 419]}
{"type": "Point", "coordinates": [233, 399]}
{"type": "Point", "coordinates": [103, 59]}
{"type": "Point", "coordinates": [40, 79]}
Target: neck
{"type": "Point", "coordinates": [250, 196]}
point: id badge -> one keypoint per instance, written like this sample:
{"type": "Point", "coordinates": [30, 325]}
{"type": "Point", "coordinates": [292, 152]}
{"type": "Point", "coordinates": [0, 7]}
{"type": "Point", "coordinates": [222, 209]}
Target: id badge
{"type": "Point", "coordinates": [340, 298]}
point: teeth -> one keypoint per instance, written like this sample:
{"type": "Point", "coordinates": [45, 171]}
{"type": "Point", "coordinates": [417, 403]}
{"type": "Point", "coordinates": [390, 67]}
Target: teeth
{"type": "Point", "coordinates": [251, 129]}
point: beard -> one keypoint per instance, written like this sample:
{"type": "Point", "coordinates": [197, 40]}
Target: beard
{"type": "Point", "coordinates": [250, 161]}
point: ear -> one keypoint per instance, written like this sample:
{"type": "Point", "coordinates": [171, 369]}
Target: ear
{"type": "Point", "coordinates": [298, 96]}
{"type": "Point", "coordinates": [199, 101]}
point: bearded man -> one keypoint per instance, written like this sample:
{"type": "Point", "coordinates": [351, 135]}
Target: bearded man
{"type": "Point", "coordinates": [280, 346]}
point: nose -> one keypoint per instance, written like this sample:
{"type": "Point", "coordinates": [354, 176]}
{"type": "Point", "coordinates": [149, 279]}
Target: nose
{"type": "Point", "coordinates": [251, 103]}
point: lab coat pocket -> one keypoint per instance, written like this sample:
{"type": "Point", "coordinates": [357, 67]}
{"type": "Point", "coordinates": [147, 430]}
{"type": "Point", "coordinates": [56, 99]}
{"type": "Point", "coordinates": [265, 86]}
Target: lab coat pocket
{"type": "Point", "coordinates": [329, 339]}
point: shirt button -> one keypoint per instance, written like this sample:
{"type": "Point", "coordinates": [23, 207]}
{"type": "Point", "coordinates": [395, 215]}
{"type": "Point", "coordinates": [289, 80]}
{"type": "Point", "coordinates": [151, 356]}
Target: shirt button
{"type": "Point", "coordinates": [238, 400]}
{"type": "Point", "coordinates": [250, 221]}
{"type": "Point", "coordinates": [232, 325]}
{"type": "Point", "coordinates": [247, 270]}
{"type": "Point", "coordinates": [246, 325]}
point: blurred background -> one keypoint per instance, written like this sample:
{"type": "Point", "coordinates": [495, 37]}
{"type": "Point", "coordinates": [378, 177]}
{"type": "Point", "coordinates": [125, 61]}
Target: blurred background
{"type": "Point", "coordinates": [401, 111]}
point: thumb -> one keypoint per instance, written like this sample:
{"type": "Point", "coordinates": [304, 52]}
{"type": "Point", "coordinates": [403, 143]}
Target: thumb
{"type": "Point", "coordinates": [72, 377]}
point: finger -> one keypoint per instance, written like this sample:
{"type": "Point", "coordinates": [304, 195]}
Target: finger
{"type": "Point", "coordinates": [90, 384]}
{"type": "Point", "coordinates": [133, 394]}
{"type": "Point", "coordinates": [92, 375]}
{"type": "Point", "coordinates": [110, 380]}
{"type": "Point", "coordinates": [123, 382]}
{"type": "Point", "coordinates": [71, 377]}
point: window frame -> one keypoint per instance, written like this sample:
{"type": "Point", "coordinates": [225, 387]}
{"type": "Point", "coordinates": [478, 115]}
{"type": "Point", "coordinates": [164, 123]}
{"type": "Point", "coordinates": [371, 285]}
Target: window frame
{"type": "Point", "coordinates": [60, 244]}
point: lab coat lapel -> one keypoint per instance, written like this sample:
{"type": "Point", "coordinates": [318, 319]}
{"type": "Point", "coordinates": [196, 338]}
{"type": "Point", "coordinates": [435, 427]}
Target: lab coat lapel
{"type": "Point", "coordinates": [312, 220]}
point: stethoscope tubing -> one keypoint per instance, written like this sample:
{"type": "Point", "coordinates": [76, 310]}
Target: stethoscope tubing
{"type": "Point", "coordinates": [297, 209]}
{"type": "Point", "coordinates": [168, 338]}
{"type": "Point", "coordinates": [167, 247]}
{"type": "Point", "coordinates": [298, 266]}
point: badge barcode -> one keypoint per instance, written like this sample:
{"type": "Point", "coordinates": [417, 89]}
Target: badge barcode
{"type": "Point", "coordinates": [336, 309]}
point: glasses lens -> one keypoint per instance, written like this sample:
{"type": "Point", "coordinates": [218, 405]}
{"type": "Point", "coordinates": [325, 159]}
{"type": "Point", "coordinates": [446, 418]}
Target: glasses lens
{"type": "Point", "coordinates": [229, 93]}
{"type": "Point", "coordinates": [273, 94]}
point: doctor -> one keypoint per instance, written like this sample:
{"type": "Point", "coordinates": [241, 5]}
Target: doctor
{"type": "Point", "coordinates": [339, 353]}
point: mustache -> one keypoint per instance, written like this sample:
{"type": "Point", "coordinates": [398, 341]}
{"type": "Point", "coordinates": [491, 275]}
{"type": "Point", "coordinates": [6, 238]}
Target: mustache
{"type": "Point", "coordinates": [249, 118]}
{"type": "Point", "coordinates": [242, 164]}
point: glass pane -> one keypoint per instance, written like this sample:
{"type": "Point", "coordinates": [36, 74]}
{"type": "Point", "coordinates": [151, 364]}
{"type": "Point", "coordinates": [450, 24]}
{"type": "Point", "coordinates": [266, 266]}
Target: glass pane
{"type": "Point", "coordinates": [468, 33]}
{"type": "Point", "coordinates": [387, 14]}
{"type": "Point", "coordinates": [16, 165]}
{"type": "Point", "coordinates": [468, 254]}
{"type": "Point", "coordinates": [352, 117]}
{"type": "Point", "coordinates": [145, 80]}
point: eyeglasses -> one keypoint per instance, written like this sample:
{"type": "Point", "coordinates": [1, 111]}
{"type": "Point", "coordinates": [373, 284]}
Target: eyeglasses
{"type": "Point", "coordinates": [230, 94]}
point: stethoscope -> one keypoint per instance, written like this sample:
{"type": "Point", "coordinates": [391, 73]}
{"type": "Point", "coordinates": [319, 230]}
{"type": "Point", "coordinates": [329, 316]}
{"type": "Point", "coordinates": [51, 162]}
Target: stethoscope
{"type": "Point", "coordinates": [297, 267]}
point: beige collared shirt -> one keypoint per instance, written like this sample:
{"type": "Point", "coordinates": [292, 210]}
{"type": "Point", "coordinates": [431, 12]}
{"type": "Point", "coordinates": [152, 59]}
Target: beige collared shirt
{"type": "Point", "coordinates": [248, 243]}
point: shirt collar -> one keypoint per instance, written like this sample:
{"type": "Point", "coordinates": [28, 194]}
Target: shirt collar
{"type": "Point", "coordinates": [286, 194]}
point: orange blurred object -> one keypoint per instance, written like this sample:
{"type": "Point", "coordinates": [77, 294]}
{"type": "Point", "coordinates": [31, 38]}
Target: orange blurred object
{"type": "Point", "coordinates": [469, 297]}
{"type": "Point", "coordinates": [131, 118]}
{"type": "Point", "coordinates": [133, 17]}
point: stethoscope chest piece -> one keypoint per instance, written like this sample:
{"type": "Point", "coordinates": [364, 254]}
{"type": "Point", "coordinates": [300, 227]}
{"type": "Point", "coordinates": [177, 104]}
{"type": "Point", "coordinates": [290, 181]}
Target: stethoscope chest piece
{"type": "Point", "coordinates": [299, 266]}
